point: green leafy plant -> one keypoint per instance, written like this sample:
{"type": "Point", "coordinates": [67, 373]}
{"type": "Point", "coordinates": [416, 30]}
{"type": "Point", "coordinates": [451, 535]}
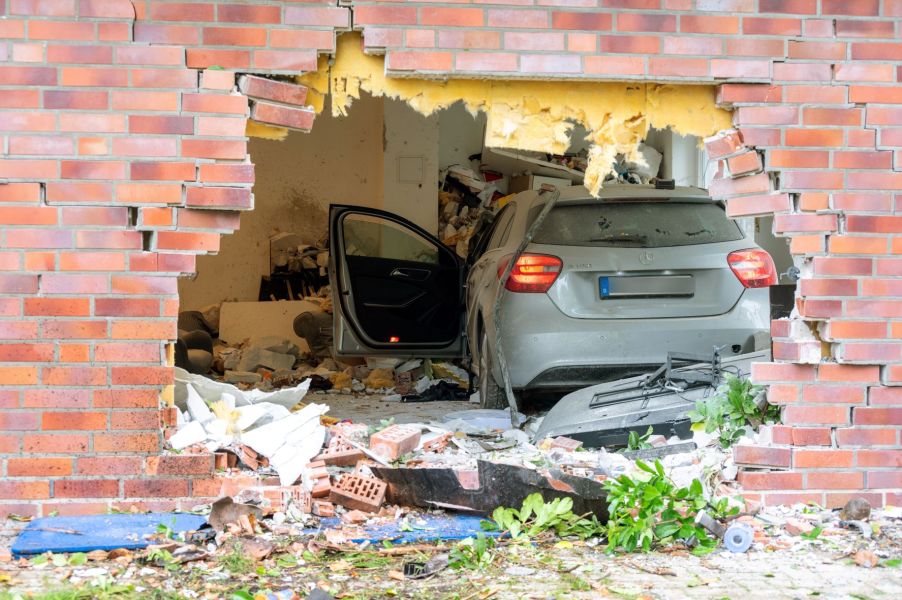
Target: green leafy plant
{"type": "Point", "coordinates": [383, 424]}
{"type": "Point", "coordinates": [813, 534]}
{"type": "Point", "coordinates": [235, 561]}
{"type": "Point", "coordinates": [162, 558]}
{"type": "Point", "coordinates": [732, 409]}
{"type": "Point", "coordinates": [649, 510]}
{"type": "Point", "coordinates": [473, 553]}
{"type": "Point", "coordinates": [536, 516]}
{"type": "Point", "coordinates": [639, 442]}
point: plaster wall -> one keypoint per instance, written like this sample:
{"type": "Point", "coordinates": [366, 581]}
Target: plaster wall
{"type": "Point", "coordinates": [339, 161]}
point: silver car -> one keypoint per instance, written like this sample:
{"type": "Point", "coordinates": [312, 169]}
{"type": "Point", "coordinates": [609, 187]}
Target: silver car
{"type": "Point", "coordinates": [607, 287]}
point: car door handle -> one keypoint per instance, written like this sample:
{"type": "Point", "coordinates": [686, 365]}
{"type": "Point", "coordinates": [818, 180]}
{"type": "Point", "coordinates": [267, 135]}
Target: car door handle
{"type": "Point", "coordinates": [411, 274]}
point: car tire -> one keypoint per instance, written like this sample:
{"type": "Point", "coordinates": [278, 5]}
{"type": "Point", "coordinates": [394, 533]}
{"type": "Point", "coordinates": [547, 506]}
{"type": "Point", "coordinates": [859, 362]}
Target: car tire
{"type": "Point", "coordinates": [491, 395]}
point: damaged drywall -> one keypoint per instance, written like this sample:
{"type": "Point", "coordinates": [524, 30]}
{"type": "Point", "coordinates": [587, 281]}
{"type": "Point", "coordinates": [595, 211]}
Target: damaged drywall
{"type": "Point", "coordinates": [527, 115]}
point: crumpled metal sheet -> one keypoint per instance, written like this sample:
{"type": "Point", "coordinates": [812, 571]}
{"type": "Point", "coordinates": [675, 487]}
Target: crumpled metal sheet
{"type": "Point", "coordinates": [491, 486]}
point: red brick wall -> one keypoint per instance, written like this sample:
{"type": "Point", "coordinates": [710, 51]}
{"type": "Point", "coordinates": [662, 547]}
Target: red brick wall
{"type": "Point", "coordinates": [123, 158]}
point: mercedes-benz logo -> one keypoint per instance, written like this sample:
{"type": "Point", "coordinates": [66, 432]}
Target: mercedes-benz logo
{"type": "Point", "coordinates": [646, 258]}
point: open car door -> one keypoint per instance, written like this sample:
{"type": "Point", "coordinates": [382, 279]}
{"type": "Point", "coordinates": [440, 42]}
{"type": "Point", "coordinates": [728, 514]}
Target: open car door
{"type": "Point", "coordinates": [396, 289]}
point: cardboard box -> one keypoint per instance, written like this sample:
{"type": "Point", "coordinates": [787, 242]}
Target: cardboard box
{"type": "Point", "coordinates": [521, 183]}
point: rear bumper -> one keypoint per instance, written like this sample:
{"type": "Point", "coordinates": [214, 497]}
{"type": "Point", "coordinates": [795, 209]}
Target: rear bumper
{"type": "Point", "coordinates": [547, 350]}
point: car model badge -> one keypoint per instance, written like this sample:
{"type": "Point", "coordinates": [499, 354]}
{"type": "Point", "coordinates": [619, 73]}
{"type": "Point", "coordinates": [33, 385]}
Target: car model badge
{"type": "Point", "coordinates": [646, 258]}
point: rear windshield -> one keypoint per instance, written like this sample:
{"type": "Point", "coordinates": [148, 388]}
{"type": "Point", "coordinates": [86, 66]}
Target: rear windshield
{"type": "Point", "coordinates": [637, 225]}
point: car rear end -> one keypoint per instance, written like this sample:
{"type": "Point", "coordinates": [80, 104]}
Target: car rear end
{"type": "Point", "coordinates": [609, 286]}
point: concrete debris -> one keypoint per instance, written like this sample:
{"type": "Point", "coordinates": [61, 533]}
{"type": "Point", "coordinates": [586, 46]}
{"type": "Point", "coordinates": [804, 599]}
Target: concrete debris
{"type": "Point", "coordinates": [254, 358]}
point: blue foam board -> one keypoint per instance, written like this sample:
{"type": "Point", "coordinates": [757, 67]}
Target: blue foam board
{"type": "Point", "coordinates": [98, 532]}
{"type": "Point", "coordinates": [427, 528]}
{"type": "Point", "coordinates": [108, 532]}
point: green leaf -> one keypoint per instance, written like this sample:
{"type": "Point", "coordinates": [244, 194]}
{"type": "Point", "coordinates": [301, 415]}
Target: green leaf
{"type": "Point", "coordinates": [813, 534]}
{"type": "Point", "coordinates": [695, 488]}
{"type": "Point", "coordinates": [891, 562]}
{"type": "Point", "coordinates": [78, 559]}
{"type": "Point", "coordinates": [644, 466]}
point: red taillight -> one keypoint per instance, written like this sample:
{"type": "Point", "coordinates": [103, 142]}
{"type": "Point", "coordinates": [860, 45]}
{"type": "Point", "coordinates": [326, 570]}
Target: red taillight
{"type": "Point", "coordinates": [753, 268]}
{"type": "Point", "coordinates": [532, 273]}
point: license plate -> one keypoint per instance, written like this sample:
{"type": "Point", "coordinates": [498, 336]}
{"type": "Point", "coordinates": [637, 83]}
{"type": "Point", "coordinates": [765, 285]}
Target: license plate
{"type": "Point", "coordinates": [646, 286]}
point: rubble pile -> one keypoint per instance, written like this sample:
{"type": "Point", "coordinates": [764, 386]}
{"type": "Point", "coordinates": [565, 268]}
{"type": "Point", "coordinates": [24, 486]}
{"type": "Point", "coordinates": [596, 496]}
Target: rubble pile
{"type": "Point", "coordinates": [273, 363]}
{"type": "Point", "coordinates": [466, 200]}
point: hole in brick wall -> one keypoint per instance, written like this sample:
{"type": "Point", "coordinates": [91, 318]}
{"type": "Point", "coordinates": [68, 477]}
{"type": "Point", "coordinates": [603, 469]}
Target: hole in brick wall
{"type": "Point", "coordinates": [444, 175]}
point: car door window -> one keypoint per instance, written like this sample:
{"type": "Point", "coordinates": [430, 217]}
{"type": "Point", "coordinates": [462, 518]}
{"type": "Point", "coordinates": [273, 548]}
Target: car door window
{"type": "Point", "coordinates": [502, 228]}
{"type": "Point", "coordinates": [367, 235]}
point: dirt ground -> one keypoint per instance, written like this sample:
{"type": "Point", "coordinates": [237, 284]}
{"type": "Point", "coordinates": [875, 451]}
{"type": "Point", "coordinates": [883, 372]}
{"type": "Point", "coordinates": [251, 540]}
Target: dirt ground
{"type": "Point", "coordinates": [819, 568]}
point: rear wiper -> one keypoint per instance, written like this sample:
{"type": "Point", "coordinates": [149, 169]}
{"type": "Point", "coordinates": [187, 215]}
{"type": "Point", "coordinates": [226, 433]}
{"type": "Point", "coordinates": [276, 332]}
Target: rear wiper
{"type": "Point", "coordinates": [624, 239]}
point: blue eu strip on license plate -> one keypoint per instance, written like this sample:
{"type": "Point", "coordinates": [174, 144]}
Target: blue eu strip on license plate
{"type": "Point", "coordinates": [604, 286]}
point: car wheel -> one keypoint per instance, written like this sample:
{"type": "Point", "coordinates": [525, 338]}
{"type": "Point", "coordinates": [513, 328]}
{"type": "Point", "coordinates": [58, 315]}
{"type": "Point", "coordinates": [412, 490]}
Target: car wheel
{"type": "Point", "coordinates": [491, 395]}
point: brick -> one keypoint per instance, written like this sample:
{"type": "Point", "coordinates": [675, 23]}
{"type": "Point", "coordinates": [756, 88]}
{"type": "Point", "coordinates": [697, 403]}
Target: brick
{"type": "Point", "coordinates": [485, 61]}
{"type": "Point", "coordinates": [679, 67]}
{"type": "Point", "coordinates": [864, 28]}
{"type": "Point", "coordinates": [133, 375]}
{"type": "Point", "coordinates": [395, 441]}
{"type": "Point", "coordinates": [126, 240]}
{"type": "Point", "coordinates": [758, 205]}
{"type": "Point", "coordinates": [861, 436]}
{"type": "Point", "coordinates": [891, 396]}
{"type": "Point", "coordinates": [570, 20]}
{"type": "Point", "coordinates": [337, 17]}
{"type": "Point", "coordinates": [24, 490]}
{"type": "Point", "coordinates": [283, 116]}
{"type": "Point", "coordinates": [196, 242]}
{"type": "Point", "coordinates": [57, 398]}
{"type": "Point", "coordinates": [818, 459]}
{"type": "Point", "coordinates": [208, 219]}
{"type": "Point", "coordinates": [163, 171]}
{"type": "Point", "coordinates": [156, 488]}
{"type": "Point", "coordinates": [75, 376]}
{"type": "Point", "coordinates": [144, 101]}
{"type": "Point", "coordinates": [879, 458]}
{"type": "Point", "coordinates": [86, 488]}
{"type": "Point", "coordinates": [93, 169]}
{"type": "Point", "coordinates": [160, 124]}
{"type": "Point", "coordinates": [21, 330]}
{"type": "Point", "coordinates": [770, 480]}
{"type": "Point", "coordinates": [126, 398]}
{"type": "Point", "coordinates": [513, 40]}
{"type": "Point", "coordinates": [816, 415]}
{"type": "Point", "coordinates": [877, 416]}
{"type": "Point", "coordinates": [452, 17]}
{"type": "Point", "coordinates": [761, 456]}
{"type": "Point", "coordinates": [358, 493]}
{"type": "Point", "coordinates": [218, 80]}
{"type": "Point", "coordinates": [143, 330]}
{"type": "Point", "coordinates": [864, 72]}
{"type": "Point", "coordinates": [38, 238]}
{"type": "Point", "coordinates": [126, 442]}
{"type": "Point", "coordinates": [268, 89]}
{"type": "Point", "coordinates": [18, 421]}
{"type": "Point", "coordinates": [182, 465]}
{"type": "Point", "coordinates": [73, 420]}
{"type": "Point", "coordinates": [838, 330]}
{"type": "Point", "coordinates": [41, 145]}
{"type": "Point", "coordinates": [216, 149]}
{"type": "Point", "coordinates": [222, 197]}
{"type": "Point", "coordinates": [18, 376]}
{"type": "Point", "coordinates": [131, 352]}
{"type": "Point", "coordinates": [835, 480]}
{"type": "Point", "coordinates": [236, 13]}
{"type": "Point", "coordinates": [871, 202]}
{"type": "Point", "coordinates": [753, 184]}
{"type": "Point", "coordinates": [147, 193]}
{"type": "Point", "coordinates": [34, 466]}
{"type": "Point", "coordinates": [810, 436]}
{"type": "Point", "coordinates": [285, 60]}
{"type": "Point", "coordinates": [385, 15]}
{"type": "Point", "coordinates": [55, 443]}
{"type": "Point", "coordinates": [829, 287]}
{"type": "Point", "coordinates": [885, 479]}
{"type": "Point", "coordinates": [26, 353]}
